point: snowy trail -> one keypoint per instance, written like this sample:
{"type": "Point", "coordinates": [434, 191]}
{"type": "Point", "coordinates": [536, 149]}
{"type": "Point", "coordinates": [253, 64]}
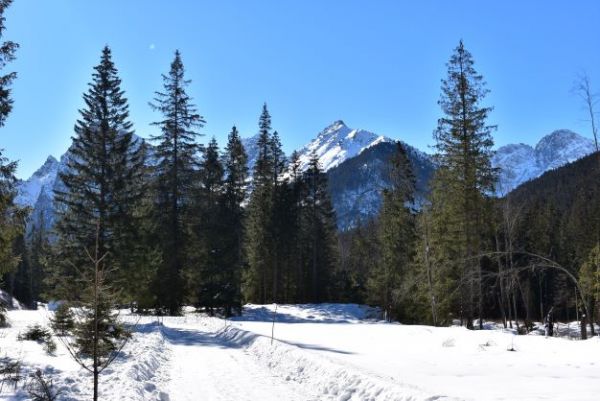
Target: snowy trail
{"type": "Point", "coordinates": [223, 362]}
{"type": "Point", "coordinates": [203, 363]}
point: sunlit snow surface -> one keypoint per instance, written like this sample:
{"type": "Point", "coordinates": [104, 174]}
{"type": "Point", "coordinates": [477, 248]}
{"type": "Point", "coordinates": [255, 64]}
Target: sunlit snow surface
{"type": "Point", "coordinates": [320, 352]}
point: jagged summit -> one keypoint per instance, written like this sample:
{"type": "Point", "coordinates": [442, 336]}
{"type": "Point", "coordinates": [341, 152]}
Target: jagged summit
{"type": "Point", "coordinates": [41, 180]}
{"type": "Point", "coordinates": [333, 145]}
{"type": "Point", "coordinates": [337, 143]}
{"type": "Point", "coordinates": [333, 128]}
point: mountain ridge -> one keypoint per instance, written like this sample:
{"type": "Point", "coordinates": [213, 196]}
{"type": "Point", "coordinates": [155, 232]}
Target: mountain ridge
{"type": "Point", "coordinates": [520, 162]}
{"type": "Point", "coordinates": [336, 145]}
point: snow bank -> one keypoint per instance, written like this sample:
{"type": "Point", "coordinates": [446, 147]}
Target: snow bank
{"type": "Point", "coordinates": [132, 377]}
{"type": "Point", "coordinates": [329, 379]}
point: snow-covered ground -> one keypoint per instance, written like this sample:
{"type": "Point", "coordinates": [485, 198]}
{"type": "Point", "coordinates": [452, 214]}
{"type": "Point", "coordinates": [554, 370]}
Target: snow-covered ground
{"type": "Point", "coordinates": [320, 352]}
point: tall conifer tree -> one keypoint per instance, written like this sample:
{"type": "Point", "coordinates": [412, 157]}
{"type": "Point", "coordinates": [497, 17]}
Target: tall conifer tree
{"type": "Point", "coordinates": [396, 236]}
{"type": "Point", "coordinates": [234, 194]}
{"type": "Point", "coordinates": [102, 183]}
{"type": "Point", "coordinates": [319, 232]}
{"type": "Point", "coordinates": [464, 149]}
{"type": "Point", "coordinates": [10, 216]}
{"type": "Point", "coordinates": [177, 154]}
{"type": "Point", "coordinates": [258, 278]}
{"type": "Point", "coordinates": [206, 251]}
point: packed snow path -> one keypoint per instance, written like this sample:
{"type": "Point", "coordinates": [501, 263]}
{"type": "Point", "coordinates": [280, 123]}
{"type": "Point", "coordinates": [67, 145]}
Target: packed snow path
{"type": "Point", "coordinates": [204, 365]}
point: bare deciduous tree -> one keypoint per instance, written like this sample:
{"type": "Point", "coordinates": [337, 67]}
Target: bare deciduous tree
{"type": "Point", "coordinates": [583, 89]}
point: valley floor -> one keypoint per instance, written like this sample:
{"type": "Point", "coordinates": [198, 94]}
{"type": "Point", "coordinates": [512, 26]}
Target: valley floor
{"type": "Point", "coordinates": [320, 352]}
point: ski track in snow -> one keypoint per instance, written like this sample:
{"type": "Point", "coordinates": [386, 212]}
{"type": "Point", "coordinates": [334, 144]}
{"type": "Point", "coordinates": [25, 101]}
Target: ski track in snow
{"type": "Point", "coordinates": [207, 366]}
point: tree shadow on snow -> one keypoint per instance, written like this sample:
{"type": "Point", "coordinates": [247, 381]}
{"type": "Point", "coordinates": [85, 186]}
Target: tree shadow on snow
{"type": "Point", "coordinates": [315, 347]}
{"type": "Point", "coordinates": [179, 336]}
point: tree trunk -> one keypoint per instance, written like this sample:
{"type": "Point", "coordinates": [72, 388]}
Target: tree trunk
{"type": "Point", "coordinates": [95, 343]}
{"type": "Point", "coordinates": [515, 310]}
{"type": "Point", "coordinates": [583, 326]}
{"type": "Point", "coordinates": [541, 299]}
{"type": "Point", "coordinates": [95, 383]}
{"type": "Point", "coordinates": [591, 317]}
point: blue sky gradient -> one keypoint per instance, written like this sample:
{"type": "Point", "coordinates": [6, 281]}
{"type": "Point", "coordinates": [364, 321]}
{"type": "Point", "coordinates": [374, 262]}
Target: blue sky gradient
{"type": "Point", "coordinates": [375, 64]}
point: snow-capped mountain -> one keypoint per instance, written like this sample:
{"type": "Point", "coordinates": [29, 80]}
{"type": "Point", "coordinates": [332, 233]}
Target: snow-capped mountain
{"type": "Point", "coordinates": [337, 143]}
{"type": "Point", "coordinates": [41, 181]}
{"type": "Point", "coordinates": [355, 161]}
{"type": "Point", "coordinates": [519, 163]}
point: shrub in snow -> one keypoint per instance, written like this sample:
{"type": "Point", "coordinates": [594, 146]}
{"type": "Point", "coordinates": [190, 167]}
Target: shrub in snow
{"type": "Point", "coordinates": [41, 335]}
{"type": "Point", "coordinates": [35, 333]}
{"type": "Point", "coordinates": [10, 372]}
{"type": "Point", "coordinates": [40, 388]}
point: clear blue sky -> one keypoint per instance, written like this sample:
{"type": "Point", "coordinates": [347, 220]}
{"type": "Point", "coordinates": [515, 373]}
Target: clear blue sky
{"type": "Point", "coordinates": [375, 64]}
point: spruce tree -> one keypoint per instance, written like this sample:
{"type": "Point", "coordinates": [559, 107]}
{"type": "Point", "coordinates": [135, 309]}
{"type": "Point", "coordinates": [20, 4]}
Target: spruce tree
{"type": "Point", "coordinates": [208, 229]}
{"type": "Point", "coordinates": [234, 194]}
{"type": "Point", "coordinates": [102, 184]}
{"type": "Point", "coordinates": [388, 281]}
{"type": "Point", "coordinates": [288, 217]}
{"type": "Point", "coordinates": [10, 228]}
{"type": "Point", "coordinates": [279, 159]}
{"type": "Point", "coordinates": [11, 217]}
{"type": "Point", "coordinates": [259, 245]}
{"type": "Point", "coordinates": [464, 149]}
{"type": "Point", "coordinates": [176, 153]}
{"type": "Point", "coordinates": [319, 233]}
{"type": "Point", "coordinates": [7, 54]}
{"type": "Point", "coordinates": [278, 227]}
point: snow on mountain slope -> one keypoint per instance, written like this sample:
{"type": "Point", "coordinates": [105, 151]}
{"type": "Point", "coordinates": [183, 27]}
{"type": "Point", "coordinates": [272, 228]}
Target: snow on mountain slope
{"type": "Point", "coordinates": [42, 180]}
{"type": "Point", "coordinates": [337, 143]}
{"type": "Point", "coordinates": [520, 162]}
{"type": "Point", "coordinates": [562, 147]}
